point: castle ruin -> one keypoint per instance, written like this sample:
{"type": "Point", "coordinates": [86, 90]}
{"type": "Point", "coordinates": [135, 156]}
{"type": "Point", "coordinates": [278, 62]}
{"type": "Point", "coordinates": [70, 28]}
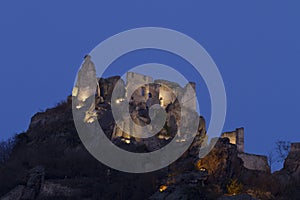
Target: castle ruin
{"type": "Point", "coordinates": [251, 161]}
{"type": "Point", "coordinates": [164, 93]}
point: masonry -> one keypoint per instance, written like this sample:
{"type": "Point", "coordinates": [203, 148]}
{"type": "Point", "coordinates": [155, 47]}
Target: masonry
{"type": "Point", "coordinates": [163, 92]}
{"type": "Point", "coordinates": [137, 88]}
{"type": "Point", "coordinates": [250, 161]}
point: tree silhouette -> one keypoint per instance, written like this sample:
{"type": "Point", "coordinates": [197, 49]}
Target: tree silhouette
{"type": "Point", "coordinates": [282, 149]}
{"type": "Point", "coordinates": [6, 148]}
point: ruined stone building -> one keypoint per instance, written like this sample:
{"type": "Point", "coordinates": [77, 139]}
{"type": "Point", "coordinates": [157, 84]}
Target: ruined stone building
{"type": "Point", "coordinates": [251, 161]}
{"type": "Point", "coordinates": [163, 92]}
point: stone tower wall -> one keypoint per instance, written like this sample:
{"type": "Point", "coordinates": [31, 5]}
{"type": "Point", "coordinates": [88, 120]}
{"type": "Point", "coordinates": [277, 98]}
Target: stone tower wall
{"type": "Point", "coordinates": [138, 85]}
{"type": "Point", "coordinates": [240, 139]}
{"type": "Point", "coordinates": [236, 137]}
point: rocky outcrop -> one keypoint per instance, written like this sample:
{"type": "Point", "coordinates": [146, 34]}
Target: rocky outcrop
{"type": "Point", "coordinates": [292, 162]}
{"type": "Point", "coordinates": [289, 176]}
{"type": "Point", "coordinates": [222, 162]}
{"type": "Point", "coordinates": [31, 190]}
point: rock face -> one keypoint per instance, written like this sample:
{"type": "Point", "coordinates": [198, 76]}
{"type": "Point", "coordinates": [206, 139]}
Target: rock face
{"type": "Point", "coordinates": [222, 162]}
{"type": "Point", "coordinates": [32, 189]}
{"type": "Point", "coordinates": [289, 177]}
{"type": "Point", "coordinates": [292, 162]}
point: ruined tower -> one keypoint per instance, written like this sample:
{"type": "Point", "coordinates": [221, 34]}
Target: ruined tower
{"type": "Point", "coordinates": [236, 137]}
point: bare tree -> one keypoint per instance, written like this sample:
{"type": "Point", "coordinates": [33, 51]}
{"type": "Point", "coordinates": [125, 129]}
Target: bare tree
{"type": "Point", "coordinates": [5, 148]}
{"type": "Point", "coordinates": [271, 158]}
{"type": "Point", "coordinates": [282, 149]}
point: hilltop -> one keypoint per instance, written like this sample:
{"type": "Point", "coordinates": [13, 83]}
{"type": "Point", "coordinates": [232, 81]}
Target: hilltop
{"type": "Point", "coordinates": [49, 161]}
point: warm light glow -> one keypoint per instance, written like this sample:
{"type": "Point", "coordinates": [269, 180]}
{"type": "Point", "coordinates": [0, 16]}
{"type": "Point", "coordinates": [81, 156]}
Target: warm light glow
{"type": "Point", "coordinates": [90, 117]}
{"type": "Point", "coordinates": [75, 91]}
{"type": "Point", "coordinates": [119, 100]}
{"type": "Point", "coordinates": [79, 106]}
{"type": "Point", "coordinates": [84, 94]}
{"type": "Point", "coordinates": [163, 188]}
{"type": "Point", "coordinates": [162, 137]}
{"type": "Point", "coordinates": [127, 141]}
{"type": "Point", "coordinates": [202, 169]}
{"type": "Point", "coordinates": [90, 120]}
{"type": "Point", "coordinates": [84, 98]}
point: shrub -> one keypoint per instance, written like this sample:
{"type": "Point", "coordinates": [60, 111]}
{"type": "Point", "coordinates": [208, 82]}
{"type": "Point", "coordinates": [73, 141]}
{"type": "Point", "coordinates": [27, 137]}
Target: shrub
{"type": "Point", "coordinates": [234, 187]}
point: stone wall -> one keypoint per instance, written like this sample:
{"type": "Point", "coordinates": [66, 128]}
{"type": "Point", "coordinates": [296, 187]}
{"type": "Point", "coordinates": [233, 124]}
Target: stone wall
{"type": "Point", "coordinates": [251, 161]}
{"type": "Point", "coordinates": [137, 86]}
{"type": "Point", "coordinates": [240, 139]}
{"type": "Point", "coordinates": [168, 91]}
{"type": "Point", "coordinates": [231, 136]}
{"type": "Point", "coordinates": [166, 95]}
{"type": "Point", "coordinates": [189, 98]}
{"type": "Point", "coordinates": [255, 162]}
{"type": "Point", "coordinates": [107, 86]}
{"type": "Point", "coordinates": [236, 137]}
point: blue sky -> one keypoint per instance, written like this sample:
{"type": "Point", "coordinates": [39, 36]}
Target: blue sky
{"type": "Point", "coordinates": [255, 44]}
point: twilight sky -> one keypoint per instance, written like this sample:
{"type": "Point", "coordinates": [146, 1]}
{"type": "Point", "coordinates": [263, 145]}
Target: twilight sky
{"type": "Point", "coordinates": [255, 44]}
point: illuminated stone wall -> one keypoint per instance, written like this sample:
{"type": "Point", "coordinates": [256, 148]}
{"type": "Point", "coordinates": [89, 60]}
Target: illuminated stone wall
{"type": "Point", "coordinates": [231, 136]}
{"type": "Point", "coordinates": [166, 95]}
{"type": "Point", "coordinates": [138, 86]}
{"type": "Point", "coordinates": [168, 92]}
{"type": "Point", "coordinates": [107, 85]}
{"type": "Point", "coordinates": [189, 96]}
{"type": "Point", "coordinates": [236, 137]}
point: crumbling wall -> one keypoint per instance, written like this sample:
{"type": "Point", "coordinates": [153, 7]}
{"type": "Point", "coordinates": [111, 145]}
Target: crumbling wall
{"type": "Point", "coordinates": [255, 162]}
{"type": "Point", "coordinates": [86, 83]}
{"type": "Point", "coordinates": [189, 98]}
{"type": "Point", "coordinates": [166, 95]}
{"type": "Point", "coordinates": [240, 139]}
{"type": "Point", "coordinates": [236, 137]}
{"type": "Point", "coordinates": [107, 86]}
{"type": "Point", "coordinates": [251, 161]}
{"type": "Point", "coordinates": [154, 89]}
{"type": "Point", "coordinates": [231, 136]}
{"type": "Point", "coordinates": [138, 86]}
{"type": "Point", "coordinates": [168, 92]}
